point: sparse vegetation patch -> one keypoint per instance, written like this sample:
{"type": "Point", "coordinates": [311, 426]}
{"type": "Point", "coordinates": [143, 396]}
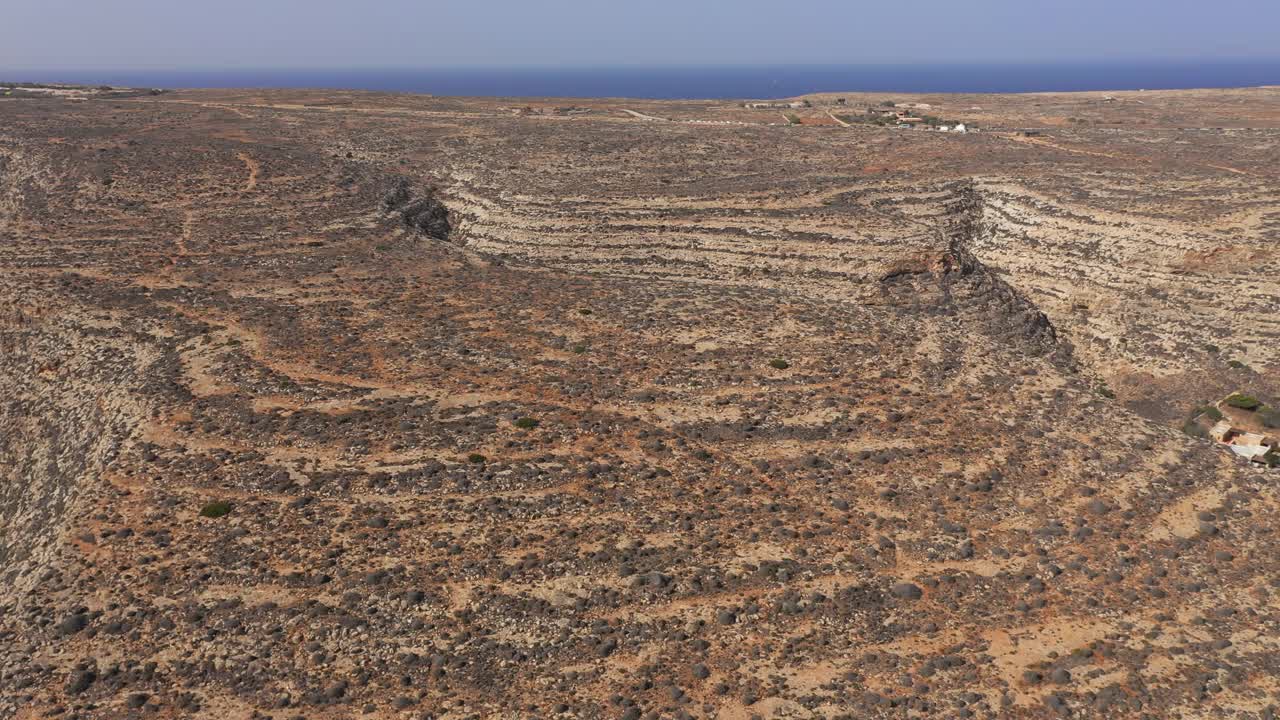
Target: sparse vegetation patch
{"type": "Point", "coordinates": [215, 509]}
{"type": "Point", "coordinates": [1194, 429]}
{"type": "Point", "coordinates": [1207, 411]}
{"type": "Point", "coordinates": [1243, 402]}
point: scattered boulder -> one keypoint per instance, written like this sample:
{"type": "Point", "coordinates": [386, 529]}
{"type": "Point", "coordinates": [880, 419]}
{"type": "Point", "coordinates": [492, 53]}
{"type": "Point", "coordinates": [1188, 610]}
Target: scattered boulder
{"type": "Point", "coordinates": [907, 591]}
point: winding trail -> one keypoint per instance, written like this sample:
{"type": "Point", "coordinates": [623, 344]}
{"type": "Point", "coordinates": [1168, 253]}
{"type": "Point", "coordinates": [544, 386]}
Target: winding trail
{"type": "Point", "coordinates": [642, 116]}
{"type": "Point", "coordinates": [184, 238]}
{"type": "Point", "coordinates": [254, 168]}
{"type": "Point", "coordinates": [1115, 156]}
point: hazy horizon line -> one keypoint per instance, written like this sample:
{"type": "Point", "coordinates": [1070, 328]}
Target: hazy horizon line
{"type": "Point", "coordinates": [651, 66]}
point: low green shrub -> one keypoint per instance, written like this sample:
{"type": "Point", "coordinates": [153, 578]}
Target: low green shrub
{"type": "Point", "coordinates": [476, 458]}
{"type": "Point", "coordinates": [1242, 401]}
{"type": "Point", "coordinates": [1208, 411]}
{"type": "Point", "coordinates": [216, 509]}
{"type": "Point", "coordinates": [526, 423]}
{"type": "Point", "coordinates": [779, 364]}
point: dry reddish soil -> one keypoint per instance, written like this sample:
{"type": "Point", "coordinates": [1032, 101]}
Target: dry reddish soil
{"type": "Point", "coordinates": [338, 404]}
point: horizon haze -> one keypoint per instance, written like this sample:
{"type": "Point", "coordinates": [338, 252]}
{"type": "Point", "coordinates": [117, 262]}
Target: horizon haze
{"type": "Point", "coordinates": [701, 82]}
{"type": "Point", "coordinates": [291, 35]}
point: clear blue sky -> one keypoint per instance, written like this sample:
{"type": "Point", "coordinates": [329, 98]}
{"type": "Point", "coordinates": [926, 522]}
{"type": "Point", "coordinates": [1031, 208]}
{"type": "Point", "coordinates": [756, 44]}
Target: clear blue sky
{"type": "Point", "coordinates": [185, 34]}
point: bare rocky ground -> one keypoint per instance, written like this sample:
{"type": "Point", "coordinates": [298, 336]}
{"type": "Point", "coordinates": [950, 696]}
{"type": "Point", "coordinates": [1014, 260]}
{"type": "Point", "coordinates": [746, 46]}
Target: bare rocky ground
{"type": "Point", "coordinates": [329, 405]}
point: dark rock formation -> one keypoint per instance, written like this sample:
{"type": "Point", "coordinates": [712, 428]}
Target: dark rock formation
{"type": "Point", "coordinates": [425, 213]}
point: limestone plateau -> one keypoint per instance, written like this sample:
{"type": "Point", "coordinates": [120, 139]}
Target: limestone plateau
{"type": "Point", "coordinates": [340, 405]}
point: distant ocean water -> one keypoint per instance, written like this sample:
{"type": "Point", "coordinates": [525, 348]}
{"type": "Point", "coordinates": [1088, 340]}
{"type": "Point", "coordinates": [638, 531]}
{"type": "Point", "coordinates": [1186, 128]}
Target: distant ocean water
{"type": "Point", "coordinates": [704, 82]}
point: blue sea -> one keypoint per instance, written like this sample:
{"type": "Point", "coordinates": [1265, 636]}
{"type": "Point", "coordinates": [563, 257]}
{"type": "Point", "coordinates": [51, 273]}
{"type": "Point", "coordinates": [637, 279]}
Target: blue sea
{"type": "Point", "coordinates": [704, 82]}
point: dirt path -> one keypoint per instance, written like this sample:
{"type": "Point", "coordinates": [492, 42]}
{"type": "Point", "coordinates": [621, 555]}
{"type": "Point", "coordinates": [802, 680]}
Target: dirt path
{"type": "Point", "coordinates": [1230, 169]}
{"type": "Point", "coordinates": [642, 116]}
{"type": "Point", "coordinates": [184, 238]}
{"type": "Point", "coordinates": [1114, 156]}
{"type": "Point", "coordinates": [254, 167]}
{"type": "Point", "coordinates": [1077, 151]}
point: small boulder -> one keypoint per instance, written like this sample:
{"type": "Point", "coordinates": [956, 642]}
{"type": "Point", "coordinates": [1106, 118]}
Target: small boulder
{"type": "Point", "coordinates": [907, 591]}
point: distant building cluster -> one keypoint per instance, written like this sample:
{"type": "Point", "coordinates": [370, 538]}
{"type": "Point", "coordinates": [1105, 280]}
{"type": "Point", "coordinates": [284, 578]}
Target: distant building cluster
{"type": "Point", "coordinates": [886, 114]}
{"type": "Point", "coordinates": [795, 105]}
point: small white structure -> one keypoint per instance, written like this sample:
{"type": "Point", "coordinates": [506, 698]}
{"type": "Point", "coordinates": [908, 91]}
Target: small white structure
{"type": "Point", "coordinates": [960, 128]}
{"type": "Point", "coordinates": [1250, 452]}
{"type": "Point", "coordinates": [1248, 445]}
{"type": "Point", "coordinates": [1221, 431]}
{"type": "Point", "coordinates": [1249, 438]}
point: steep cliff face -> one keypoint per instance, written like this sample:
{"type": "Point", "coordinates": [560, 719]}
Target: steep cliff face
{"type": "Point", "coordinates": [953, 281]}
{"type": "Point", "coordinates": [68, 405]}
{"type": "Point", "coordinates": [1166, 308]}
{"type": "Point", "coordinates": [909, 248]}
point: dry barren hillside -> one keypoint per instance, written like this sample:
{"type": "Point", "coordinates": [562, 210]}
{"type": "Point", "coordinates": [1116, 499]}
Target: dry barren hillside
{"type": "Point", "coordinates": [331, 405]}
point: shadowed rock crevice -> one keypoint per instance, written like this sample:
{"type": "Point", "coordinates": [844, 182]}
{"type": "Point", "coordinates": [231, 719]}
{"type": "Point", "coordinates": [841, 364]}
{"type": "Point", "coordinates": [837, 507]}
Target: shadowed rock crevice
{"type": "Point", "coordinates": [422, 212]}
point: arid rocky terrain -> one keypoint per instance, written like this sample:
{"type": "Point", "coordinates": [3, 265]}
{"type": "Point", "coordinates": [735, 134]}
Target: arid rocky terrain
{"type": "Point", "coordinates": [337, 404]}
